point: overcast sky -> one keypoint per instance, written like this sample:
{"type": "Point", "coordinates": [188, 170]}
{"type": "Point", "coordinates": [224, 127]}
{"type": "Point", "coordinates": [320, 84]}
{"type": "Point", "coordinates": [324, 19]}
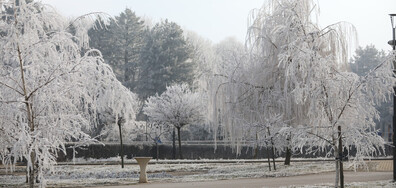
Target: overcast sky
{"type": "Point", "coordinates": [218, 19]}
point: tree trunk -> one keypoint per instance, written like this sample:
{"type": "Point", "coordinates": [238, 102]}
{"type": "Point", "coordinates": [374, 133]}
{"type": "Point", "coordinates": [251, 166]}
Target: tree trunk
{"type": "Point", "coordinates": [288, 156]}
{"type": "Point", "coordinates": [36, 172]}
{"type": "Point", "coordinates": [32, 170]}
{"type": "Point", "coordinates": [126, 68]}
{"type": "Point", "coordinates": [180, 148]}
{"type": "Point", "coordinates": [122, 146]}
{"type": "Point", "coordinates": [174, 144]}
{"type": "Point", "coordinates": [273, 156]}
{"type": "Point", "coordinates": [156, 145]}
{"type": "Point", "coordinates": [337, 178]}
{"type": "Point", "coordinates": [255, 155]}
{"type": "Point", "coordinates": [146, 132]}
{"type": "Point", "coordinates": [288, 152]}
{"type": "Point", "coordinates": [341, 174]}
{"type": "Point", "coordinates": [269, 158]}
{"type": "Point", "coordinates": [29, 112]}
{"type": "Point", "coordinates": [273, 153]}
{"type": "Point", "coordinates": [341, 157]}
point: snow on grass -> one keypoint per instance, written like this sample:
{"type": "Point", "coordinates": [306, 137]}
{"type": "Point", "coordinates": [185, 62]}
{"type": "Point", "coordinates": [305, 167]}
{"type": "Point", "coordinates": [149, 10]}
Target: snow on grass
{"type": "Point", "coordinates": [257, 170]}
{"type": "Point", "coordinates": [164, 171]}
{"type": "Point", "coordinates": [86, 175]}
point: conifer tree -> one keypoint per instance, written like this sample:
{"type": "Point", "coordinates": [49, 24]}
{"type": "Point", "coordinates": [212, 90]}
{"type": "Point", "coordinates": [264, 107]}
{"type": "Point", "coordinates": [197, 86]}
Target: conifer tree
{"type": "Point", "coordinates": [165, 59]}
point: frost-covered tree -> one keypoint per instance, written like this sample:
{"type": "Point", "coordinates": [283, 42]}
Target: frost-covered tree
{"type": "Point", "coordinates": [234, 94]}
{"type": "Point", "coordinates": [155, 131]}
{"type": "Point", "coordinates": [203, 56]}
{"type": "Point", "coordinates": [336, 106]}
{"type": "Point", "coordinates": [267, 37]}
{"type": "Point", "coordinates": [365, 60]}
{"type": "Point", "coordinates": [223, 88]}
{"type": "Point", "coordinates": [297, 74]}
{"type": "Point", "coordinates": [177, 106]}
{"type": "Point", "coordinates": [205, 59]}
{"type": "Point", "coordinates": [49, 89]}
{"type": "Point", "coordinates": [248, 98]}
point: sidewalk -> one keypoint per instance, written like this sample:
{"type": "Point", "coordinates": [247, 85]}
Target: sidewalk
{"type": "Point", "coordinates": [380, 165]}
{"type": "Point", "coordinates": [313, 179]}
{"type": "Point", "coordinates": [385, 166]}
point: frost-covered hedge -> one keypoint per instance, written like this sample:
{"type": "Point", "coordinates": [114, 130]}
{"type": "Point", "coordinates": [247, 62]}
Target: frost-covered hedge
{"type": "Point", "coordinates": [201, 151]}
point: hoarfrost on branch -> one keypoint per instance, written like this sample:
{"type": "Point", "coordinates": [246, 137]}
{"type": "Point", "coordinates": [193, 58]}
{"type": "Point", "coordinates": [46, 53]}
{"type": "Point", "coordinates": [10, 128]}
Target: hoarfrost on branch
{"type": "Point", "coordinates": [51, 86]}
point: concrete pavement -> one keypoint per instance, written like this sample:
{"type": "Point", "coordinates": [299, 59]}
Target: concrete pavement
{"type": "Point", "coordinates": [381, 165]}
{"type": "Point", "coordinates": [313, 179]}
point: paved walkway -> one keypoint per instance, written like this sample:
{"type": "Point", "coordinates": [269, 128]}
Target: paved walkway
{"type": "Point", "coordinates": [324, 178]}
{"type": "Point", "coordinates": [381, 165]}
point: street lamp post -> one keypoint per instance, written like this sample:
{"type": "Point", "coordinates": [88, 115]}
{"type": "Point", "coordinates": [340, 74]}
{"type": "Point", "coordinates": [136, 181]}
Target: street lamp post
{"type": "Point", "coordinates": [393, 44]}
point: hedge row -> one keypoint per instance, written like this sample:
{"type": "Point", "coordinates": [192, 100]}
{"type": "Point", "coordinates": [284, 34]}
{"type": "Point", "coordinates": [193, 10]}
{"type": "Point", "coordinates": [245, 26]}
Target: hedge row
{"type": "Point", "coordinates": [201, 151]}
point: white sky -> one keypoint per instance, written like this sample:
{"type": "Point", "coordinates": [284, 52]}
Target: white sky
{"type": "Point", "coordinates": [218, 19]}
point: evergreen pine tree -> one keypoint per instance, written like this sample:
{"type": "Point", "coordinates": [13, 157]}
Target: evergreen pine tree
{"type": "Point", "coordinates": [120, 43]}
{"type": "Point", "coordinates": [165, 59]}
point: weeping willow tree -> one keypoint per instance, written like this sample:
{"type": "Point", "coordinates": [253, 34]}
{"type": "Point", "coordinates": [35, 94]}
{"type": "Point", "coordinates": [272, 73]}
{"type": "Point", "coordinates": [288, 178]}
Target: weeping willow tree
{"type": "Point", "coordinates": [274, 31]}
{"type": "Point", "coordinates": [324, 104]}
{"type": "Point", "coordinates": [50, 90]}
{"type": "Point", "coordinates": [242, 107]}
{"type": "Point", "coordinates": [298, 71]}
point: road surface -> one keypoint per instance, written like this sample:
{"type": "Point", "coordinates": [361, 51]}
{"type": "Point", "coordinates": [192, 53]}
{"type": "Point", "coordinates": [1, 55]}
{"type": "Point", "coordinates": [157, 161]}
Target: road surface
{"type": "Point", "coordinates": [323, 178]}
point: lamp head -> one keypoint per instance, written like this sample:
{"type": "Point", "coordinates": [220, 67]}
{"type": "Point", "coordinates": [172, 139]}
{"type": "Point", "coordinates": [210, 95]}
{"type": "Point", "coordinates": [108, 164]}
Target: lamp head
{"type": "Point", "coordinates": [391, 17]}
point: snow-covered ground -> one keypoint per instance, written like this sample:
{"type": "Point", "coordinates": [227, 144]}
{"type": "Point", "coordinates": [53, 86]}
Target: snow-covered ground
{"type": "Point", "coordinates": [376, 184]}
{"type": "Point", "coordinates": [178, 171]}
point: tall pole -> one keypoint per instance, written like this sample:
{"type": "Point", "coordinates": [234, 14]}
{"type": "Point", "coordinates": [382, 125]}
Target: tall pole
{"type": "Point", "coordinates": [394, 130]}
{"type": "Point", "coordinates": [394, 113]}
{"type": "Point", "coordinates": [393, 43]}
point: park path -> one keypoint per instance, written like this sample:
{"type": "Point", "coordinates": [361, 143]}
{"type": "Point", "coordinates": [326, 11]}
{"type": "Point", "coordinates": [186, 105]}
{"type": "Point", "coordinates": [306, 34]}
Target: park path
{"type": "Point", "coordinates": [312, 179]}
